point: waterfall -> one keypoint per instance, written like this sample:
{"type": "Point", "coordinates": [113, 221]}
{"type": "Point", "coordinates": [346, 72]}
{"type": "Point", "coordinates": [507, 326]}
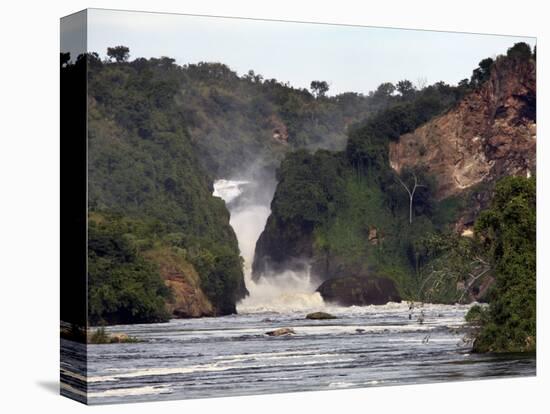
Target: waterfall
{"type": "Point", "coordinates": [282, 292]}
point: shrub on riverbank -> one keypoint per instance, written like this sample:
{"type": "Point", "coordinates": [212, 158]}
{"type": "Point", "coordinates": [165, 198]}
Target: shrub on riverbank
{"type": "Point", "coordinates": [508, 234]}
{"type": "Point", "coordinates": [101, 336]}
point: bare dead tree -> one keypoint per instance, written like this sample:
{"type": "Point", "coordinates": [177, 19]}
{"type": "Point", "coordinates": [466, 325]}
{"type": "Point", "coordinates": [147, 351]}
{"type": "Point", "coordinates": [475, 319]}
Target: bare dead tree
{"type": "Point", "coordinates": [474, 270]}
{"type": "Point", "coordinates": [410, 192]}
{"type": "Point", "coordinates": [421, 82]}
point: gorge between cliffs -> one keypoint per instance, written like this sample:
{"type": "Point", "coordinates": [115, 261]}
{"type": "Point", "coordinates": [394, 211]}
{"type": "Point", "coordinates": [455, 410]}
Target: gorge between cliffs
{"type": "Point", "coordinates": [287, 290]}
{"type": "Point", "coordinates": [246, 236]}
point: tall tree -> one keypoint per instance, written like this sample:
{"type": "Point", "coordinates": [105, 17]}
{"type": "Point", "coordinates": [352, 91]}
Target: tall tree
{"type": "Point", "coordinates": [483, 72]}
{"type": "Point", "coordinates": [405, 88]}
{"type": "Point", "coordinates": [118, 53]}
{"type": "Point", "coordinates": [384, 90]}
{"type": "Point", "coordinates": [319, 88]}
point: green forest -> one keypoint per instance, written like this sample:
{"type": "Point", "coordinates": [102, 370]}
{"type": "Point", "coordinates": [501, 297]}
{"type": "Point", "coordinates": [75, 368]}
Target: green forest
{"type": "Point", "coordinates": [147, 190]}
{"type": "Point", "coordinates": [351, 214]}
{"type": "Point", "coordinates": [159, 134]}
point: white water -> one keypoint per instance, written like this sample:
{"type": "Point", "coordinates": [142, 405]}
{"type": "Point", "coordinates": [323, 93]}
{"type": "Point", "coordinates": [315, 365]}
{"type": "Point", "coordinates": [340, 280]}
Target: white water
{"type": "Point", "coordinates": [288, 291]}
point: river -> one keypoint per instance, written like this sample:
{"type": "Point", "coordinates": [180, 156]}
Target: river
{"type": "Point", "coordinates": [232, 355]}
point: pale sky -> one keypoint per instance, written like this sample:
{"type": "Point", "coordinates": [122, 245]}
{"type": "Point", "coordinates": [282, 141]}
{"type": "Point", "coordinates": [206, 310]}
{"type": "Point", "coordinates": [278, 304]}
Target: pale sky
{"type": "Point", "coordinates": [349, 58]}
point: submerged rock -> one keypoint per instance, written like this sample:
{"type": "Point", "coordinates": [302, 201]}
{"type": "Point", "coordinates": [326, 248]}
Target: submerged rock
{"type": "Point", "coordinates": [359, 291]}
{"type": "Point", "coordinates": [281, 332]}
{"type": "Point", "coordinates": [320, 315]}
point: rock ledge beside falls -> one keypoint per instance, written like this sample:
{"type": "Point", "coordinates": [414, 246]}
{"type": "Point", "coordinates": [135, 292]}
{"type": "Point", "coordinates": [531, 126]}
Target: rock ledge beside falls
{"type": "Point", "coordinates": [359, 291]}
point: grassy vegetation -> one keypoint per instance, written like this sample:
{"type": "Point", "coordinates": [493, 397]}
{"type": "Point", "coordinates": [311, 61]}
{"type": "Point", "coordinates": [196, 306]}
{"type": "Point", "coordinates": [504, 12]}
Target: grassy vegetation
{"type": "Point", "coordinates": [101, 336]}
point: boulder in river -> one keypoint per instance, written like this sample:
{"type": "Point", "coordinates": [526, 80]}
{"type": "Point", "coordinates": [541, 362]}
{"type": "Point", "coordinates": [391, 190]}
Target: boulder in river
{"type": "Point", "coordinates": [320, 315]}
{"type": "Point", "coordinates": [359, 291]}
{"type": "Point", "coordinates": [281, 332]}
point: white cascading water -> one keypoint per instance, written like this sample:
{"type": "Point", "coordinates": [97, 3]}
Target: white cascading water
{"type": "Point", "coordinates": [284, 292]}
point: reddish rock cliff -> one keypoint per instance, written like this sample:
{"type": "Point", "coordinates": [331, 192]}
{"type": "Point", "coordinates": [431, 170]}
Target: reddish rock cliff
{"type": "Point", "coordinates": [188, 299]}
{"type": "Point", "coordinates": [491, 133]}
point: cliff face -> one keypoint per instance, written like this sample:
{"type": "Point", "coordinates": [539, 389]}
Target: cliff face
{"type": "Point", "coordinates": [307, 192]}
{"type": "Point", "coordinates": [491, 133]}
{"type": "Point", "coordinates": [282, 246]}
{"type": "Point", "coordinates": [359, 291]}
{"type": "Point", "coordinates": [347, 217]}
{"type": "Point", "coordinates": [188, 300]}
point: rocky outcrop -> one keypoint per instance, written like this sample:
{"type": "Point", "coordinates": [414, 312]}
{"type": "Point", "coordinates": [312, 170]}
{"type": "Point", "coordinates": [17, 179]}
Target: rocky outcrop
{"type": "Point", "coordinates": [491, 133]}
{"type": "Point", "coordinates": [282, 246]}
{"type": "Point", "coordinates": [359, 291]}
{"type": "Point", "coordinates": [278, 129]}
{"type": "Point", "coordinates": [188, 299]}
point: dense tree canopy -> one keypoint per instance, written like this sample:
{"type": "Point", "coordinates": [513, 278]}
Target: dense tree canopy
{"type": "Point", "coordinates": [142, 166]}
{"type": "Point", "coordinates": [319, 88]}
{"type": "Point", "coordinates": [405, 88]}
{"type": "Point", "coordinates": [123, 287]}
{"type": "Point", "coordinates": [520, 51]}
{"type": "Point", "coordinates": [508, 233]}
{"type": "Point", "coordinates": [118, 53]}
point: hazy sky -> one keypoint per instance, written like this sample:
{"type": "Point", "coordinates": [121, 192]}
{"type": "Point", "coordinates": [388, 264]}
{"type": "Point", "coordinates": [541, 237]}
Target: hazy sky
{"type": "Point", "coordinates": [349, 58]}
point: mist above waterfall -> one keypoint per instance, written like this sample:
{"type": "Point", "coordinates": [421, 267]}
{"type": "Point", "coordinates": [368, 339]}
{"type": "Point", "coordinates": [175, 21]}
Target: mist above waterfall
{"type": "Point", "coordinates": [248, 201]}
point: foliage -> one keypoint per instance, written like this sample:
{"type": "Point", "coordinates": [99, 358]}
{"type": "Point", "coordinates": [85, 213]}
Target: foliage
{"type": "Point", "coordinates": [319, 88]}
{"type": "Point", "coordinates": [122, 286]}
{"type": "Point", "coordinates": [159, 133]}
{"type": "Point", "coordinates": [352, 210]}
{"type": "Point", "coordinates": [476, 315]}
{"type": "Point", "coordinates": [367, 146]}
{"type": "Point", "coordinates": [482, 73]}
{"type": "Point", "coordinates": [508, 233]}
{"type": "Point", "coordinates": [143, 168]}
{"type": "Point", "coordinates": [312, 182]}
{"type": "Point", "coordinates": [101, 336]}
{"type": "Point", "coordinates": [405, 88]}
{"type": "Point", "coordinates": [448, 267]}
{"type": "Point", "coordinates": [118, 53]}
{"type": "Point", "coordinates": [233, 119]}
{"type": "Point", "coordinates": [520, 51]}
{"type": "Point", "coordinates": [322, 195]}
{"type": "Point", "coordinates": [221, 276]}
